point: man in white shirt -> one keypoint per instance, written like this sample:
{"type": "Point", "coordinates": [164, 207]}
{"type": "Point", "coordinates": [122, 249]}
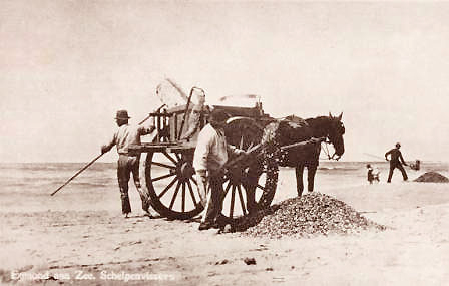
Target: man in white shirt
{"type": "Point", "coordinates": [211, 153]}
{"type": "Point", "coordinates": [125, 136]}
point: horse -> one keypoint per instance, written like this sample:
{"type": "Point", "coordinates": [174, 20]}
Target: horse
{"type": "Point", "coordinates": [293, 129]}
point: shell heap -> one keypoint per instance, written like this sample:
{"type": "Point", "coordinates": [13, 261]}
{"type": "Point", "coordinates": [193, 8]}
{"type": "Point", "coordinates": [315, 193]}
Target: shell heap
{"type": "Point", "coordinates": [432, 177]}
{"type": "Point", "coordinates": [312, 214]}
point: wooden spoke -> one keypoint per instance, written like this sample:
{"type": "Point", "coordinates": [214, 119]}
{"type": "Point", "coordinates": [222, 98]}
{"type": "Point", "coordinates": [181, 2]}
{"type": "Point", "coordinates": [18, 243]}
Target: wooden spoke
{"type": "Point", "coordinates": [169, 158]}
{"type": "Point", "coordinates": [163, 165]}
{"type": "Point", "coordinates": [251, 145]}
{"type": "Point", "coordinates": [169, 194]}
{"type": "Point", "coordinates": [174, 195]}
{"type": "Point", "coordinates": [167, 188]}
{"type": "Point", "coordinates": [183, 197]}
{"type": "Point", "coordinates": [194, 181]}
{"type": "Point", "coordinates": [189, 186]}
{"type": "Point", "coordinates": [231, 213]}
{"type": "Point", "coordinates": [163, 177]}
{"type": "Point", "coordinates": [241, 200]}
{"type": "Point", "coordinates": [227, 189]}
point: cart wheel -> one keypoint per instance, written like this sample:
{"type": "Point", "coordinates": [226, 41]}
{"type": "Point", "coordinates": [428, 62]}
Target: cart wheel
{"type": "Point", "coordinates": [249, 186]}
{"type": "Point", "coordinates": [168, 178]}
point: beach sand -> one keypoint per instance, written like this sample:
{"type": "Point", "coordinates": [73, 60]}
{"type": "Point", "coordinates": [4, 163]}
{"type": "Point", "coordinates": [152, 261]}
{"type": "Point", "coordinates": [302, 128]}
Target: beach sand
{"type": "Point", "coordinates": [82, 238]}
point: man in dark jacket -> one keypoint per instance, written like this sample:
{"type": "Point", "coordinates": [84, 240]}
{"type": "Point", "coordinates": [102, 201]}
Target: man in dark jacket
{"type": "Point", "coordinates": [395, 162]}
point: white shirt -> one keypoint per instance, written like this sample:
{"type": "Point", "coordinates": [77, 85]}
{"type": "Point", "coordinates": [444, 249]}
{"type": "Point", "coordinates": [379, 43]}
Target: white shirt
{"type": "Point", "coordinates": [212, 149]}
{"type": "Point", "coordinates": [128, 135]}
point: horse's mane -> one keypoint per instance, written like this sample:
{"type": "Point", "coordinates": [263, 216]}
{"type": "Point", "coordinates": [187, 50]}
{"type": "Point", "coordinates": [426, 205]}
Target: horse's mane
{"type": "Point", "coordinates": [319, 125]}
{"type": "Point", "coordinates": [317, 120]}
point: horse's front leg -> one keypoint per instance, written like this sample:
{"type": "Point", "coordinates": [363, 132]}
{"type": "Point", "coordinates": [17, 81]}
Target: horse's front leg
{"type": "Point", "coordinates": [311, 171]}
{"type": "Point", "coordinates": [299, 182]}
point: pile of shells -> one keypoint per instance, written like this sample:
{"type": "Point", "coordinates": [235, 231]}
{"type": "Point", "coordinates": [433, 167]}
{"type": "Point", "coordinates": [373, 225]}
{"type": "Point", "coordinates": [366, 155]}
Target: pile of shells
{"type": "Point", "coordinates": [432, 177]}
{"type": "Point", "coordinates": [312, 214]}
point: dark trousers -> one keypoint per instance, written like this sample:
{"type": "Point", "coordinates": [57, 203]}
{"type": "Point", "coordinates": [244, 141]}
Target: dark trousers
{"type": "Point", "coordinates": [214, 195]}
{"type": "Point", "coordinates": [370, 176]}
{"type": "Point", "coordinates": [125, 167]}
{"type": "Point", "coordinates": [394, 165]}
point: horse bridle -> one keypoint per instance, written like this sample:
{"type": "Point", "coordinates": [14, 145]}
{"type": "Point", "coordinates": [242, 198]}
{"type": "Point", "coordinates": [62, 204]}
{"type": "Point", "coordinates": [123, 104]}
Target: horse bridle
{"type": "Point", "coordinates": [327, 142]}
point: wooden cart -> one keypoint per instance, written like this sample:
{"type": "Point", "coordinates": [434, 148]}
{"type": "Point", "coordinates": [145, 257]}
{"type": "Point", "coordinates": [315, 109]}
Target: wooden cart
{"type": "Point", "coordinates": [166, 170]}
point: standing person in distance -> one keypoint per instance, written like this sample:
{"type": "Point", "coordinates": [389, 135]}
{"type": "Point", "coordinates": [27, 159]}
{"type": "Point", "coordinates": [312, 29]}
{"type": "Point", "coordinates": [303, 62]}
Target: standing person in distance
{"type": "Point", "coordinates": [125, 136]}
{"type": "Point", "coordinates": [395, 162]}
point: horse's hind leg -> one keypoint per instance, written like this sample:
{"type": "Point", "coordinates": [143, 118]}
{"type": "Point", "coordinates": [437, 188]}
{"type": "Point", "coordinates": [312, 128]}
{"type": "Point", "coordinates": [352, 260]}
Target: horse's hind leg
{"type": "Point", "coordinates": [299, 182]}
{"type": "Point", "coordinates": [311, 171]}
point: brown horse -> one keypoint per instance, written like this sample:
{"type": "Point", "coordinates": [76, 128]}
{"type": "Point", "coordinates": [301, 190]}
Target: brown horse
{"type": "Point", "coordinates": [293, 129]}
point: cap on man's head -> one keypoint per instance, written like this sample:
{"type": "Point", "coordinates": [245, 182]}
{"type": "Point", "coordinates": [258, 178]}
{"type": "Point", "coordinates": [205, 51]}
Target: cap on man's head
{"type": "Point", "coordinates": [218, 116]}
{"type": "Point", "coordinates": [122, 114]}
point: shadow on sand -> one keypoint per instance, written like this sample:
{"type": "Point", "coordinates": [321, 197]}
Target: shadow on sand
{"type": "Point", "coordinates": [253, 219]}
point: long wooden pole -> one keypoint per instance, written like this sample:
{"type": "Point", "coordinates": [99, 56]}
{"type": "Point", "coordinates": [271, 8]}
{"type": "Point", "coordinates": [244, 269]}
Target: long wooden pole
{"type": "Point", "coordinates": [79, 172]}
{"type": "Point", "coordinates": [186, 110]}
{"type": "Point", "coordinates": [149, 115]}
{"type": "Point", "coordinates": [256, 152]}
{"type": "Point", "coordinates": [181, 92]}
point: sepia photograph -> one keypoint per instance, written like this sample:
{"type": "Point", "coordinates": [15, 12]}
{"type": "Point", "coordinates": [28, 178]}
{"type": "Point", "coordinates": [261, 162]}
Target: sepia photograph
{"type": "Point", "coordinates": [224, 142]}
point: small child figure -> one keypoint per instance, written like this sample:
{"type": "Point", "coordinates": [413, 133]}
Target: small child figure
{"type": "Point", "coordinates": [373, 174]}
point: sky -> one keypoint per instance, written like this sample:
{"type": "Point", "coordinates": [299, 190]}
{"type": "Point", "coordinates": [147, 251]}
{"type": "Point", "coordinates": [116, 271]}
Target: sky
{"type": "Point", "coordinates": [67, 66]}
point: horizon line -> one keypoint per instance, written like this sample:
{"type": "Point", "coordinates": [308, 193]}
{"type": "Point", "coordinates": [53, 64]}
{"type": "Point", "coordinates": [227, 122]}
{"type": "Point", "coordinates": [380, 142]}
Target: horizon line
{"type": "Point", "coordinates": [110, 162]}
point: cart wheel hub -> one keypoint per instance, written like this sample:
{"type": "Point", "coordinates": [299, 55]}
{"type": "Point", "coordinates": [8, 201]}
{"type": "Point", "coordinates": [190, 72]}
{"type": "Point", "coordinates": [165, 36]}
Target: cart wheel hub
{"type": "Point", "coordinates": [236, 175]}
{"type": "Point", "coordinates": [186, 171]}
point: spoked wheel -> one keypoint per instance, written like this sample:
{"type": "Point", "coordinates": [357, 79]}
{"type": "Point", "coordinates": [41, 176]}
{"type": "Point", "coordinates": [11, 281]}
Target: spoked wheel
{"type": "Point", "coordinates": [168, 177]}
{"type": "Point", "coordinates": [250, 185]}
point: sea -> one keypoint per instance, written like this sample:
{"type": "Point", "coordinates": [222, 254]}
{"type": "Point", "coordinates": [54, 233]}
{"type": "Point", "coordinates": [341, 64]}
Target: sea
{"type": "Point", "coordinates": [32, 183]}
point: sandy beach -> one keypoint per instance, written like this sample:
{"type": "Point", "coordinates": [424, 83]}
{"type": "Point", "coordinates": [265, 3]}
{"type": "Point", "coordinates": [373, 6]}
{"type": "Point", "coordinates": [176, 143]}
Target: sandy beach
{"type": "Point", "coordinates": [81, 238]}
{"type": "Point", "coordinates": [362, 77]}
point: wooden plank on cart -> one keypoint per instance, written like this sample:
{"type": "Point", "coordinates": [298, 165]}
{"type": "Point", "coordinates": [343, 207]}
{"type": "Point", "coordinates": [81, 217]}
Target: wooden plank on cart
{"type": "Point", "coordinates": [180, 149]}
{"type": "Point", "coordinates": [135, 150]}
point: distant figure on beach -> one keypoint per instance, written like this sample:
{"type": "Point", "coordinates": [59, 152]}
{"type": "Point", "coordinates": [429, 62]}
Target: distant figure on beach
{"type": "Point", "coordinates": [211, 153]}
{"type": "Point", "coordinates": [125, 136]}
{"type": "Point", "coordinates": [395, 162]}
{"type": "Point", "coordinates": [373, 174]}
